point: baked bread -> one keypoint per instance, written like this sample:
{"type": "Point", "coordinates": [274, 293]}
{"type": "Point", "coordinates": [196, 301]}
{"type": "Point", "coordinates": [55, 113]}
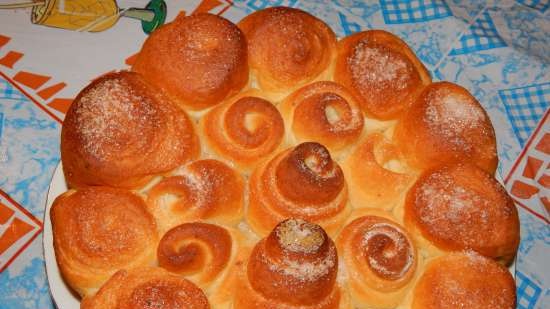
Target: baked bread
{"type": "Point", "coordinates": [99, 230]}
{"type": "Point", "coordinates": [198, 60]}
{"type": "Point", "coordinates": [121, 132]}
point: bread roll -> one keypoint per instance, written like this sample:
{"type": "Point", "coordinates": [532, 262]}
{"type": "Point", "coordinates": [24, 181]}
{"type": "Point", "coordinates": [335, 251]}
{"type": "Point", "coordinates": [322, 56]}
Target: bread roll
{"type": "Point", "coordinates": [463, 280]}
{"type": "Point", "coordinates": [447, 124]}
{"type": "Point", "coordinates": [99, 230]}
{"type": "Point", "coordinates": [198, 60]}
{"type": "Point", "coordinates": [120, 132]}
{"type": "Point", "coordinates": [301, 182]}
{"type": "Point", "coordinates": [380, 259]}
{"type": "Point", "coordinates": [457, 207]}
{"type": "Point", "coordinates": [382, 71]}
{"type": "Point", "coordinates": [324, 112]}
{"type": "Point", "coordinates": [294, 267]}
{"type": "Point", "coordinates": [287, 48]}
{"type": "Point", "coordinates": [376, 174]}
{"type": "Point", "coordinates": [205, 190]}
{"type": "Point", "coordinates": [146, 288]}
{"type": "Point", "coordinates": [245, 130]}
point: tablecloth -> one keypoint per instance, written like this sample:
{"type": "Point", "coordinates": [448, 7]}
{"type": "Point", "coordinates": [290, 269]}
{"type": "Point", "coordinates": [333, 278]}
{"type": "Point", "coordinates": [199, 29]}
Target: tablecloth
{"type": "Point", "coordinates": [499, 50]}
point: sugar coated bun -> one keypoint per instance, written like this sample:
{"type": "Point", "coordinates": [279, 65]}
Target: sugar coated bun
{"type": "Point", "coordinates": [199, 60]}
{"type": "Point", "coordinates": [381, 70]}
{"type": "Point", "coordinates": [121, 131]}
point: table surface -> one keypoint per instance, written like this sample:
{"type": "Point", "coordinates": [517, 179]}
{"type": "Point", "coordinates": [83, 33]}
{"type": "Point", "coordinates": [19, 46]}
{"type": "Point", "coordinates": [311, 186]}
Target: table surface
{"type": "Point", "coordinates": [498, 50]}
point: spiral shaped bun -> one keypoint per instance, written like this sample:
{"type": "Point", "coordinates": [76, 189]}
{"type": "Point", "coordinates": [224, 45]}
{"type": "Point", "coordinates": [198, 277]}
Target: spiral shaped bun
{"type": "Point", "coordinates": [294, 267]}
{"type": "Point", "coordinates": [206, 190]}
{"type": "Point", "coordinates": [245, 130]}
{"type": "Point", "coordinates": [380, 260]}
{"type": "Point", "coordinates": [302, 182]}
{"type": "Point", "coordinates": [323, 112]}
{"type": "Point", "coordinates": [460, 207]}
{"type": "Point", "coordinates": [464, 280]}
{"type": "Point", "coordinates": [376, 174]}
{"type": "Point", "coordinates": [199, 60]}
{"type": "Point", "coordinates": [99, 230]}
{"type": "Point", "coordinates": [447, 124]}
{"type": "Point", "coordinates": [120, 132]}
{"type": "Point", "coordinates": [287, 48]}
{"type": "Point", "coordinates": [146, 288]}
{"type": "Point", "coordinates": [381, 70]}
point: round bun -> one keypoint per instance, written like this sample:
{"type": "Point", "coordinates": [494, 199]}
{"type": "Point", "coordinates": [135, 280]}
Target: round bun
{"type": "Point", "coordinates": [324, 112]}
{"type": "Point", "coordinates": [447, 124]}
{"type": "Point", "coordinates": [204, 190]}
{"type": "Point", "coordinates": [301, 182]}
{"type": "Point", "coordinates": [144, 288]}
{"type": "Point", "coordinates": [245, 130]}
{"type": "Point", "coordinates": [460, 207]}
{"type": "Point", "coordinates": [464, 280]}
{"type": "Point", "coordinates": [287, 48]}
{"type": "Point", "coordinates": [199, 60]}
{"type": "Point", "coordinates": [120, 132]}
{"type": "Point", "coordinates": [99, 230]}
{"type": "Point", "coordinates": [381, 70]}
{"type": "Point", "coordinates": [294, 267]}
{"type": "Point", "coordinates": [380, 258]}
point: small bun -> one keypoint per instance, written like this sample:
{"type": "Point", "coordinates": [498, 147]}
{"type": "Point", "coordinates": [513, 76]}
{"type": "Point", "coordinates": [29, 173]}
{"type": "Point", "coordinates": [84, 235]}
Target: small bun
{"type": "Point", "coordinates": [459, 207]}
{"type": "Point", "coordinates": [447, 124]}
{"type": "Point", "coordinates": [382, 71]}
{"type": "Point", "coordinates": [287, 48]}
{"type": "Point", "coordinates": [120, 132]}
{"type": "Point", "coordinates": [199, 60]}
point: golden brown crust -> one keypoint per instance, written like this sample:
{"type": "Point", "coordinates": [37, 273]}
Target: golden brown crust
{"type": "Point", "coordinates": [460, 207]}
{"type": "Point", "coordinates": [147, 288]}
{"type": "Point", "coordinates": [294, 267]}
{"type": "Point", "coordinates": [199, 60]}
{"type": "Point", "coordinates": [447, 124]}
{"type": "Point", "coordinates": [324, 112]}
{"type": "Point", "coordinates": [302, 182]}
{"type": "Point", "coordinates": [120, 132]}
{"type": "Point", "coordinates": [287, 47]}
{"type": "Point", "coordinates": [245, 130]}
{"type": "Point", "coordinates": [381, 70]}
{"type": "Point", "coordinates": [464, 280]}
{"type": "Point", "coordinates": [205, 190]}
{"type": "Point", "coordinates": [376, 174]}
{"type": "Point", "coordinates": [99, 230]}
{"type": "Point", "coordinates": [380, 259]}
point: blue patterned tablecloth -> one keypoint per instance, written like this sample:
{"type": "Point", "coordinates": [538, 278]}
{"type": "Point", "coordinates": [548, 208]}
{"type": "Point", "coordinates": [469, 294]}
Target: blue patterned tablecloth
{"type": "Point", "coordinates": [499, 50]}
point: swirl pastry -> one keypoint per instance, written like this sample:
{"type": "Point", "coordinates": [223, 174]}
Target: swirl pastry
{"type": "Point", "coordinates": [206, 190]}
{"type": "Point", "coordinates": [447, 124]}
{"type": "Point", "coordinates": [381, 70]}
{"type": "Point", "coordinates": [99, 230]}
{"type": "Point", "coordinates": [294, 267]}
{"type": "Point", "coordinates": [460, 207]}
{"type": "Point", "coordinates": [244, 130]}
{"type": "Point", "coordinates": [324, 112]}
{"type": "Point", "coordinates": [380, 260]}
{"type": "Point", "coordinates": [302, 182]}
{"type": "Point", "coordinates": [147, 288]}
{"type": "Point", "coordinates": [464, 280]}
{"type": "Point", "coordinates": [199, 60]}
{"type": "Point", "coordinates": [287, 48]}
{"type": "Point", "coordinates": [121, 132]}
{"type": "Point", "coordinates": [375, 174]}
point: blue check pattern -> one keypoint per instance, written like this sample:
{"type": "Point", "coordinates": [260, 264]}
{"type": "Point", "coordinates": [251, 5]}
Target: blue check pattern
{"type": "Point", "coordinates": [525, 106]}
{"type": "Point", "coordinates": [541, 5]}
{"type": "Point", "coordinates": [528, 292]}
{"type": "Point", "coordinates": [481, 35]}
{"type": "Point", "coordinates": [7, 91]}
{"type": "Point", "coordinates": [411, 11]}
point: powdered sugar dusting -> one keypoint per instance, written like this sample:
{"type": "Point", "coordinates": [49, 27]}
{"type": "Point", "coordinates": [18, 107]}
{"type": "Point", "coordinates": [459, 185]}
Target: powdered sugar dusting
{"type": "Point", "coordinates": [297, 235]}
{"type": "Point", "coordinates": [307, 271]}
